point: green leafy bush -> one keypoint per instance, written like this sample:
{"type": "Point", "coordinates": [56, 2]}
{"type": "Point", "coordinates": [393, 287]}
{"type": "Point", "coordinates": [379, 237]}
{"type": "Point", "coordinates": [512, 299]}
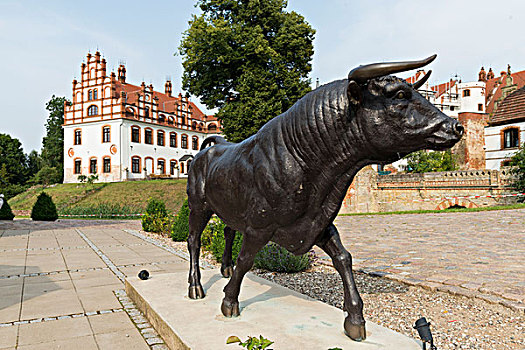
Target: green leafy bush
{"type": "Point", "coordinates": [180, 227]}
{"type": "Point", "coordinates": [156, 219]}
{"type": "Point", "coordinates": [5, 211]}
{"type": "Point", "coordinates": [44, 209]}
{"type": "Point", "coordinates": [275, 258]}
{"type": "Point", "coordinates": [213, 240]}
{"type": "Point", "coordinates": [424, 161]}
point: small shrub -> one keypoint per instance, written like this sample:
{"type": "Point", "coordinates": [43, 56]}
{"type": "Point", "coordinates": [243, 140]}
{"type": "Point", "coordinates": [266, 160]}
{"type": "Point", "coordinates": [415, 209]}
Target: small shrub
{"type": "Point", "coordinates": [156, 218]}
{"type": "Point", "coordinates": [180, 228]}
{"type": "Point", "coordinates": [5, 211]}
{"type": "Point", "coordinates": [517, 161]}
{"type": "Point", "coordinates": [213, 240]}
{"type": "Point", "coordinates": [275, 258]}
{"type": "Point", "coordinates": [44, 209]}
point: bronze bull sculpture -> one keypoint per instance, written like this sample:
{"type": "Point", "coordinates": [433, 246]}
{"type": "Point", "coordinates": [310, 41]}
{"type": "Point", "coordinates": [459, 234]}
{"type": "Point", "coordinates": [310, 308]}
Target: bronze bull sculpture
{"type": "Point", "coordinates": [286, 183]}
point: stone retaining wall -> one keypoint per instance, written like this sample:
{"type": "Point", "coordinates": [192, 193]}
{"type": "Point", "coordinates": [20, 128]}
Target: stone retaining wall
{"type": "Point", "coordinates": [371, 192]}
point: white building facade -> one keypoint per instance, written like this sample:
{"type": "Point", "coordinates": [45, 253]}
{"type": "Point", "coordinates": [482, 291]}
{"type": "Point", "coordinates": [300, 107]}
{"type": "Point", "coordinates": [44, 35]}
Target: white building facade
{"type": "Point", "coordinates": [117, 131]}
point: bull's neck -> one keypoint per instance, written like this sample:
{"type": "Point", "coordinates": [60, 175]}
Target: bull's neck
{"type": "Point", "coordinates": [322, 134]}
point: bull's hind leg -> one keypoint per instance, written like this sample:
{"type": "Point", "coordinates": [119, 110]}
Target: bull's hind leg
{"type": "Point", "coordinates": [250, 247]}
{"type": "Point", "coordinates": [227, 263]}
{"type": "Point", "coordinates": [354, 323]}
{"type": "Point", "coordinates": [198, 219]}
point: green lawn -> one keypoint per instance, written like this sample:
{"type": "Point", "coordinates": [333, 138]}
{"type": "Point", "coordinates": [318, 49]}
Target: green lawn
{"type": "Point", "coordinates": [133, 194]}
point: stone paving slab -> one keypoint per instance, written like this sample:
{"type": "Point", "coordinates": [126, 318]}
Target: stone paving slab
{"type": "Point", "coordinates": [478, 253]}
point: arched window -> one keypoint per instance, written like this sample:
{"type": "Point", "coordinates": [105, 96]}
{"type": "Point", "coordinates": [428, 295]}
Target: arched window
{"type": "Point", "coordinates": [170, 120]}
{"type": "Point", "coordinates": [95, 94]}
{"type": "Point", "coordinates": [184, 141]}
{"type": "Point", "coordinates": [173, 167]}
{"type": "Point", "coordinates": [106, 161]}
{"type": "Point", "coordinates": [92, 110]}
{"type": "Point", "coordinates": [135, 165]}
{"type": "Point", "coordinates": [78, 137]}
{"type": "Point", "coordinates": [173, 139]}
{"type": "Point", "coordinates": [160, 138]}
{"type": "Point", "coordinates": [135, 134]}
{"type": "Point", "coordinates": [162, 118]}
{"type": "Point", "coordinates": [212, 127]}
{"type": "Point", "coordinates": [148, 136]}
{"type": "Point", "coordinates": [161, 166]}
{"type": "Point", "coordinates": [195, 143]}
{"type": "Point", "coordinates": [194, 125]}
{"type": "Point", "coordinates": [90, 95]}
{"type": "Point", "coordinates": [93, 166]}
{"type": "Point", "coordinates": [106, 134]}
{"type": "Point", "coordinates": [146, 112]}
{"type": "Point", "coordinates": [78, 166]}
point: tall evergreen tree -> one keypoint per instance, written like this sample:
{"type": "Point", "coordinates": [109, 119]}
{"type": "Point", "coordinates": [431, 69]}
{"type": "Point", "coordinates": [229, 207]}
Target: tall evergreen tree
{"type": "Point", "coordinates": [13, 170]}
{"type": "Point", "coordinates": [248, 58]}
{"type": "Point", "coordinates": [53, 142]}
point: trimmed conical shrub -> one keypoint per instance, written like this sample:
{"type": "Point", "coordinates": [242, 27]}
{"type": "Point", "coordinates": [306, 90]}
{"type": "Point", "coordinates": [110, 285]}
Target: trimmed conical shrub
{"type": "Point", "coordinates": [180, 229]}
{"type": "Point", "coordinates": [5, 211]}
{"type": "Point", "coordinates": [44, 209]}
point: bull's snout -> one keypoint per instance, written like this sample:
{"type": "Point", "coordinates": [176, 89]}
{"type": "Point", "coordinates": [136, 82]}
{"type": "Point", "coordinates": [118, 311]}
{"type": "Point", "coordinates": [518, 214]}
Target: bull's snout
{"type": "Point", "coordinates": [458, 129]}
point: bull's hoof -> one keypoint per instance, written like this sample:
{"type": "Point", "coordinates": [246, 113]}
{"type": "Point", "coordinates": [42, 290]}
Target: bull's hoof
{"type": "Point", "coordinates": [356, 332]}
{"type": "Point", "coordinates": [196, 292]}
{"type": "Point", "coordinates": [230, 309]}
{"type": "Point", "coordinates": [227, 271]}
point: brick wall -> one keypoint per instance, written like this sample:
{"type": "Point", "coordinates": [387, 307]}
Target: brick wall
{"type": "Point", "coordinates": [469, 152]}
{"type": "Point", "coordinates": [371, 192]}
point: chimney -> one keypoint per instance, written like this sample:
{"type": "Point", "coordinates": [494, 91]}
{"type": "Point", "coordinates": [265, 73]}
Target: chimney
{"type": "Point", "coordinates": [167, 88]}
{"type": "Point", "coordinates": [122, 74]}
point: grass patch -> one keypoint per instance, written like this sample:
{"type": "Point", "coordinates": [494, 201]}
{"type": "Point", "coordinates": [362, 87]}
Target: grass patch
{"type": "Point", "coordinates": [107, 197]}
{"type": "Point", "coordinates": [100, 211]}
{"type": "Point", "coordinates": [455, 210]}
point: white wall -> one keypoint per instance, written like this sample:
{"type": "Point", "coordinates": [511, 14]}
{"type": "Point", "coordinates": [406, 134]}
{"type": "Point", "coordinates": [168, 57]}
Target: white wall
{"type": "Point", "coordinates": [494, 152]}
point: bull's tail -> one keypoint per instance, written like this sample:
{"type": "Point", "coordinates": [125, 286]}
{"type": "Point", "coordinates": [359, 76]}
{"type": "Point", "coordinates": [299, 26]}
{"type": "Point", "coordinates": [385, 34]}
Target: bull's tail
{"type": "Point", "coordinates": [212, 140]}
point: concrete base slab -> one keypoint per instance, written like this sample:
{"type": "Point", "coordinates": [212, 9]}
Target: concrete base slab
{"type": "Point", "coordinates": [290, 319]}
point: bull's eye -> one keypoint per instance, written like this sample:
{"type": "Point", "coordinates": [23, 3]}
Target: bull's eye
{"type": "Point", "coordinates": [401, 95]}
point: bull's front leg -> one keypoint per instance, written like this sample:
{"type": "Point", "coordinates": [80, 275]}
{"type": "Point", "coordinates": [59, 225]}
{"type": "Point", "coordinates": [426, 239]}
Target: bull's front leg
{"type": "Point", "coordinates": [251, 244]}
{"type": "Point", "coordinates": [227, 261]}
{"type": "Point", "coordinates": [354, 324]}
{"type": "Point", "coordinates": [197, 222]}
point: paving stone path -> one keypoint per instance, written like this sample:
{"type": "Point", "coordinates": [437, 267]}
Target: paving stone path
{"type": "Point", "coordinates": [61, 287]}
{"type": "Point", "coordinates": [477, 254]}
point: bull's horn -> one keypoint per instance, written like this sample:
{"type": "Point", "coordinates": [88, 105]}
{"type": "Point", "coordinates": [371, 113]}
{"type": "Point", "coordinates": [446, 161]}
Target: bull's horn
{"type": "Point", "coordinates": [421, 81]}
{"type": "Point", "coordinates": [363, 73]}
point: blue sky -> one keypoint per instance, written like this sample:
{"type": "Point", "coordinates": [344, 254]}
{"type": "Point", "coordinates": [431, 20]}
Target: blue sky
{"type": "Point", "coordinates": [44, 42]}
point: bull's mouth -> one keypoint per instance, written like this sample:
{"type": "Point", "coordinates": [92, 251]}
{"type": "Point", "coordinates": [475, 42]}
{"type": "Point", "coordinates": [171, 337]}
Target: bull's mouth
{"type": "Point", "coordinates": [437, 143]}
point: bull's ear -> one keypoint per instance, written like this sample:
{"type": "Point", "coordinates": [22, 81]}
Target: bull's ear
{"type": "Point", "coordinates": [355, 95]}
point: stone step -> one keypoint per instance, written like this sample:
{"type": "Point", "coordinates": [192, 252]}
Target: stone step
{"type": "Point", "coordinates": [289, 319]}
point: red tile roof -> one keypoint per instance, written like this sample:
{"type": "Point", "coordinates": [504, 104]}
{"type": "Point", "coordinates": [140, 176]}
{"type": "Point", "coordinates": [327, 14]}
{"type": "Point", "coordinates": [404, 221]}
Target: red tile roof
{"type": "Point", "coordinates": [444, 87]}
{"type": "Point", "coordinates": [512, 108]}
{"type": "Point", "coordinates": [166, 103]}
{"type": "Point", "coordinates": [493, 88]}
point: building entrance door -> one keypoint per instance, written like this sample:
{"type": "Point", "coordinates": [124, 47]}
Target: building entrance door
{"type": "Point", "coordinates": [149, 166]}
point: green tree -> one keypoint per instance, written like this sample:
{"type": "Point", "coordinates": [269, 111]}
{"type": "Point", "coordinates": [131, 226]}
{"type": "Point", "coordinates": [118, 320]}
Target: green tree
{"type": "Point", "coordinates": [47, 176]}
{"type": "Point", "coordinates": [518, 162]}
{"type": "Point", "coordinates": [34, 163]}
{"type": "Point", "coordinates": [13, 170]}
{"type": "Point", "coordinates": [248, 58]}
{"type": "Point", "coordinates": [424, 161]}
{"type": "Point", "coordinates": [53, 142]}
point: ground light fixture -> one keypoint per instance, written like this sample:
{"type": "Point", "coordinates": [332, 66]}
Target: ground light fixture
{"type": "Point", "coordinates": [144, 275]}
{"type": "Point", "coordinates": [423, 328]}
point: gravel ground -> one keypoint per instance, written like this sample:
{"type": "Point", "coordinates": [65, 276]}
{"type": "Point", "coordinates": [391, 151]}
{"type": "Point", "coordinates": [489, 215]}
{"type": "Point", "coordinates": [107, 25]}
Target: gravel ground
{"type": "Point", "coordinates": [456, 322]}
